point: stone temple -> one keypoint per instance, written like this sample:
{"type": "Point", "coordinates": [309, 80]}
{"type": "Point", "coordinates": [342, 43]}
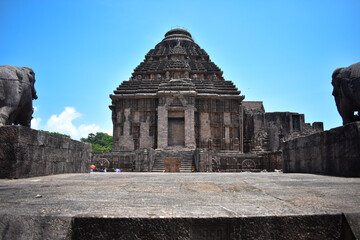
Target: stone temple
{"type": "Point", "coordinates": [178, 113]}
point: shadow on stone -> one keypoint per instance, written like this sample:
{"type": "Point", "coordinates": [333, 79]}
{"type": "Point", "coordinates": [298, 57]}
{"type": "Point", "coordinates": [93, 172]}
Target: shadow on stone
{"type": "Point", "coordinates": [285, 227]}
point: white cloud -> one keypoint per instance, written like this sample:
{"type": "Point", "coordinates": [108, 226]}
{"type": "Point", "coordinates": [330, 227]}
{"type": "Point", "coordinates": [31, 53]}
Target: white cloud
{"type": "Point", "coordinates": [63, 123]}
{"type": "Point", "coordinates": [35, 122]}
{"type": "Point", "coordinates": [84, 130]}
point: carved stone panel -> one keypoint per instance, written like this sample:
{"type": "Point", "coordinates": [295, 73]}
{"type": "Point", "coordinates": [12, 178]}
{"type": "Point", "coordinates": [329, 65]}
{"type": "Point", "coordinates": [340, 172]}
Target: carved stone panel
{"type": "Point", "coordinates": [126, 141]}
{"type": "Point", "coordinates": [190, 141]}
{"type": "Point", "coordinates": [162, 127]}
{"type": "Point", "coordinates": [146, 141]}
{"type": "Point", "coordinates": [227, 118]}
{"type": "Point", "coordinates": [205, 131]}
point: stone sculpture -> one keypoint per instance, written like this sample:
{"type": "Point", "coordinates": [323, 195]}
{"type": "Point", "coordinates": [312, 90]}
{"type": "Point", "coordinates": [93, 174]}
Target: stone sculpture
{"type": "Point", "coordinates": [16, 94]}
{"type": "Point", "coordinates": [346, 83]}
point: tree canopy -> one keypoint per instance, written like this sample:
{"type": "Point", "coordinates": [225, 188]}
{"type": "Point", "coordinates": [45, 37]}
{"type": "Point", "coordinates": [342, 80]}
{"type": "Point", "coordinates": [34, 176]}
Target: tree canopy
{"type": "Point", "coordinates": [100, 142]}
{"type": "Point", "coordinates": [59, 134]}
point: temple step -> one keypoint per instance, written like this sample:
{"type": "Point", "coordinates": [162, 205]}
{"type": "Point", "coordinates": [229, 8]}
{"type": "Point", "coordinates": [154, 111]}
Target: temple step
{"type": "Point", "coordinates": [186, 160]}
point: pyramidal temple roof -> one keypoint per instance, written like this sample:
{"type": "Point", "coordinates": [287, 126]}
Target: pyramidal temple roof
{"type": "Point", "coordinates": [177, 51]}
{"type": "Point", "coordinates": [177, 56]}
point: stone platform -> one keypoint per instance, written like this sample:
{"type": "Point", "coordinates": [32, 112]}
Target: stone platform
{"type": "Point", "coordinates": [180, 206]}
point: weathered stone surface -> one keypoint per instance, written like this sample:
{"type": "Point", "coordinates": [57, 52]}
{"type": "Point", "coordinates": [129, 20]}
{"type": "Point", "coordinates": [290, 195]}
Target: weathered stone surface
{"type": "Point", "coordinates": [24, 227]}
{"type": "Point", "coordinates": [180, 206]}
{"type": "Point", "coordinates": [16, 94]}
{"type": "Point", "coordinates": [346, 83]}
{"type": "Point", "coordinates": [26, 152]}
{"type": "Point", "coordinates": [334, 152]}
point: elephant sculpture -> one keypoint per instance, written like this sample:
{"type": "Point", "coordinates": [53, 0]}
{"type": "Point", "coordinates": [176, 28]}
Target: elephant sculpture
{"type": "Point", "coordinates": [16, 94]}
{"type": "Point", "coordinates": [346, 83]}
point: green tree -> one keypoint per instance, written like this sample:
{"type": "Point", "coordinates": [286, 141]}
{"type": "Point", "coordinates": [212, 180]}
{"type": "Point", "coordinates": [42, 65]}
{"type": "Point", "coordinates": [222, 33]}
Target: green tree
{"type": "Point", "coordinates": [59, 134]}
{"type": "Point", "coordinates": [100, 142]}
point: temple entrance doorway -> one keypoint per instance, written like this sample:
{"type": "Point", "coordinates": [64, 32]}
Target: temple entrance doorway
{"type": "Point", "coordinates": [176, 132]}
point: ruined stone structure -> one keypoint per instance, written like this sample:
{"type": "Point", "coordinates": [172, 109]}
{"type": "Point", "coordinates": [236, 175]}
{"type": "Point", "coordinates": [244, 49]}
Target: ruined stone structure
{"type": "Point", "coordinates": [177, 104]}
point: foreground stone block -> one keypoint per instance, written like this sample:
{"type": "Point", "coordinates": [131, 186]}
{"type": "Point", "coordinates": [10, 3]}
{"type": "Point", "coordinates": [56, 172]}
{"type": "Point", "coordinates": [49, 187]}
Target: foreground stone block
{"type": "Point", "coordinates": [180, 206]}
{"type": "Point", "coordinates": [82, 227]}
{"type": "Point", "coordinates": [26, 152]}
{"type": "Point", "coordinates": [334, 152]}
{"type": "Point", "coordinates": [267, 227]}
{"type": "Point", "coordinates": [24, 227]}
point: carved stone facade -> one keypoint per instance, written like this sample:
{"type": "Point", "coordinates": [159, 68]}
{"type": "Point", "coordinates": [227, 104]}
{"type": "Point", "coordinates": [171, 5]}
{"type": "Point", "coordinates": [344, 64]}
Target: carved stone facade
{"type": "Point", "coordinates": [178, 105]}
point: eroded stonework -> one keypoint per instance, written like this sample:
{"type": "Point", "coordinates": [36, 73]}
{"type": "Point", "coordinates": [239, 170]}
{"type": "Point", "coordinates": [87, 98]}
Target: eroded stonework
{"type": "Point", "coordinates": [178, 104]}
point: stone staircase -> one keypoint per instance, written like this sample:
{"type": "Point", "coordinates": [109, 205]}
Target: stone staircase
{"type": "Point", "coordinates": [186, 160]}
{"type": "Point", "coordinates": [158, 164]}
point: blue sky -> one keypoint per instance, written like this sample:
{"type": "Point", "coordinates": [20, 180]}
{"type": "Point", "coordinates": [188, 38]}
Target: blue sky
{"type": "Point", "coordinates": [280, 52]}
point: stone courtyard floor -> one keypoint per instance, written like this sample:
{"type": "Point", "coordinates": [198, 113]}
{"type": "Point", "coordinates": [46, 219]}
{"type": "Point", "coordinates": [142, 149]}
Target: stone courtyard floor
{"type": "Point", "coordinates": [179, 195]}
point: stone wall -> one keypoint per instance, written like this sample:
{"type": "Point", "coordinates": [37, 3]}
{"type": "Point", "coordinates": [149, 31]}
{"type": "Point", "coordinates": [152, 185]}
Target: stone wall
{"type": "Point", "coordinates": [218, 124]}
{"type": "Point", "coordinates": [134, 123]}
{"type": "Point", "coordinates": [334, 152]}
{"type": "Point", "coordinates": [140, 160]}
{"type": "Point", "coordinates": [26, 152]}
{"type": "Point", "coordinates": [207, 161]}
{"type": "Point", "coordinates": [271, 161]}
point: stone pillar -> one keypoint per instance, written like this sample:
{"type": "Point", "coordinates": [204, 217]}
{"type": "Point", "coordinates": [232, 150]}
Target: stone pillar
{"type": "Point", "coordinates": [205, 130]}
{"type": "Point", "coordinates": [190, 141]}
{"type": "Point", "coordinates": [241, 128]}
{"type": "Point", "coordinates": [146, 141]}
{"type": "Point", "coordinates": [227, 135]}
{"type": "Point", "coordinates": [126, 141]}
{"type": "Point", "coordinates": [162, 127]}
{"type": "Point", "coordinates": [227, 123]}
